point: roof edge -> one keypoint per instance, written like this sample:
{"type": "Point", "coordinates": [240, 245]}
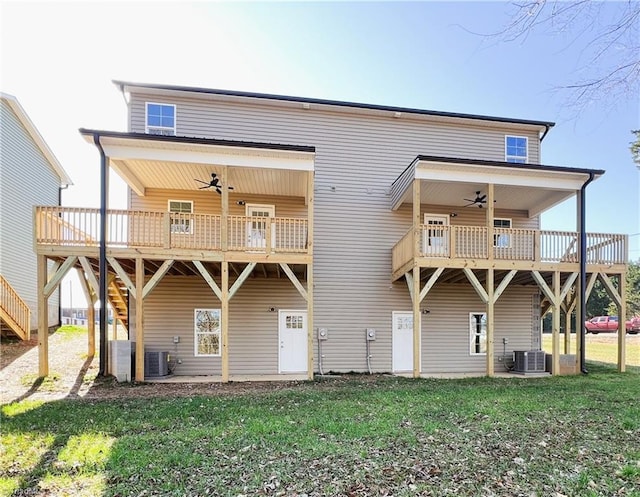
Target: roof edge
{"type": "Point", "coordinates": [337, 103]}
{"type": "Point", "coordinates": [198, 140]}
{"type": "Point", "coordinates": [513, 165]}
{"type": "Point", "coordinates": [40, 142]}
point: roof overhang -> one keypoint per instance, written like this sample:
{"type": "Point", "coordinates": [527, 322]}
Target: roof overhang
{"type": "Point", "coordinates": [337, 106]}
{"type": "Point", "coordinates": [37, 138]}
{"type": "Point", "coordinates": [531, 188]}
{"type": "Point", "coordinates": [168, 162]}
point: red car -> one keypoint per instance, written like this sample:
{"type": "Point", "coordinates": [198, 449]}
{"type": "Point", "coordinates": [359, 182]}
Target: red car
{"type": "Point", "coordinates": [609, 324]}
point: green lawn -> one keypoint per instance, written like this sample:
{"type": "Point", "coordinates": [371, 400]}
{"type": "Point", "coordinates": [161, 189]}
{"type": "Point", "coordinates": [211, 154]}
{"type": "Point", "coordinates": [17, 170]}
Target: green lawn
{"type": "Point", "coordinates": [601, 348]}
{"type": "Point", "coordinates": [574, 436]}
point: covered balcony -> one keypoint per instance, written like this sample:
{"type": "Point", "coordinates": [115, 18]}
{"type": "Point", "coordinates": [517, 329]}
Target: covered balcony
{"type": "Point", "coordinates": [223, 211]}
{"type": "Point", "coordinates": [478, 221]}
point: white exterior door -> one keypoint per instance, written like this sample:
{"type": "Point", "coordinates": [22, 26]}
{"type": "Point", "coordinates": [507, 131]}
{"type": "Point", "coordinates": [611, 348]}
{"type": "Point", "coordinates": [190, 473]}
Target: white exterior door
{"type": "Point", "coordinates": [257, 228]}
{"type": "Point", "coordinates": [402, 342]}
{"type": "Point", "coordinates": [436, 238]}
{"type": "Point", "coordinates": [293, 342]}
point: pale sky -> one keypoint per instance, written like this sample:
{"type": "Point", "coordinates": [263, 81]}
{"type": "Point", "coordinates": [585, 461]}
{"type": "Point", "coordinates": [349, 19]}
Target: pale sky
{"type": "Point", "coordinates": [58, 59]}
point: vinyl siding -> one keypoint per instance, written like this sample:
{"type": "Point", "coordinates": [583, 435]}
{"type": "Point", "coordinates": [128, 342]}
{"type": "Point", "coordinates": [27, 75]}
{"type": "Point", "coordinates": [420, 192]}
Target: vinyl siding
{"type": "Point", "coordinates": [253, 329]}
{"type": "Point", "coordinates": [357, 159]}
{"type": "Point", "coordinates": [26, 179]}
{"type": "Point", "coordinates": [208, 202]}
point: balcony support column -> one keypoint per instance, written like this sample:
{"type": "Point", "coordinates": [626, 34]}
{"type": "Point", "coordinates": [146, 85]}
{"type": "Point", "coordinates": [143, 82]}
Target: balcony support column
{"type": "Point", "coordinates": [555, 331]}
{"type": "Point", "coordinates": [415, 300]}
{"type": "Point", "coordinates": [490, 214]}
{"type": "Point", "coordinates": [102, 293]}
{"type": "Point", "coordinates": [43, 318]}
{"type": "Point", "coordinates": [582, 303]}
{"type": "Point", "coordinates": [139, 373]}
{"type": "Point", "coordinates": [490, 321]}
{"type": "Point", "coordinates": [622, 328]}
{"type": "Point", "coordinates": [224, 210]}
{"type": "Point", "coordinates": [91, 313]}
{"type": "Point", "coordinates": [224, 318]}
{"type": "Point", "coordinates": [310, 327]}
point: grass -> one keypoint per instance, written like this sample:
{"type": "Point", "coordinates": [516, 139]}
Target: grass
{"type": "Point", "coordinates": [574, 436]}
{"type": "Point", "coordinates": [70, 331]}
{"type": "Point", "coordinates": [599, 350]}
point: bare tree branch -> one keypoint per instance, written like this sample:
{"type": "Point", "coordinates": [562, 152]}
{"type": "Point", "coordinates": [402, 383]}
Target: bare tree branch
{"type": "Point", "coordinates": [610, 54]}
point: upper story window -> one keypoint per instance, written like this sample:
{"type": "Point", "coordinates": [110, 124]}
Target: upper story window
{"type": "Point", "coordinates": [516, 149]}
{"type": "Point", "coordinates": [161, 119]}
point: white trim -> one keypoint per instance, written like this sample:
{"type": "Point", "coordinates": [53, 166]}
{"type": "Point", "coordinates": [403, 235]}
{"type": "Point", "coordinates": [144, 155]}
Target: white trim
{"type": "Point", "coordinates": [507, 236]}
{"type": "Point", "coordinates": [498, 175]}
{"type": "Point", "coordinates": [209, 154]}
{"type": "Point", "coordinates": [37, 138]}
{"type": "Point", "coordinates": [195, 334]}
{"type": "Point", "coordinates": [441, 250]}
{"type": "Point", "coordinates": [518, 157]}
{"type": "Point", "coordinates": [266, 207]}
{"type": "Point", "coordinates": [282, 312]}
{"type": "Point", "coordinates": [473, 334]}
{"type": "Point", "coordinates": [174, 129]}
{"type": "Point", "coordinates": [189, 224]}
{"type": "Point", "coordinates": [393, 329]}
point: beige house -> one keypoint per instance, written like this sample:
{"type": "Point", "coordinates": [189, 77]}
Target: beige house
{"type": "Point", "coordinates": [29, 175]}
{"type": "Point", "coordinates": [279, 237]}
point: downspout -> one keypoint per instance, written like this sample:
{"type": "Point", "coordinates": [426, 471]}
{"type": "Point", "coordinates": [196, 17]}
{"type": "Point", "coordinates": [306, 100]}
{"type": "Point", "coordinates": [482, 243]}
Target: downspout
{"type": "Point", "coordinates": [583, 271]}
{"type": "Point", "coordinates": [102, 281]}
{"type": "Point", "coordinates": [60, 188]}
{"type": "Point", "coordinates": [546, 130]}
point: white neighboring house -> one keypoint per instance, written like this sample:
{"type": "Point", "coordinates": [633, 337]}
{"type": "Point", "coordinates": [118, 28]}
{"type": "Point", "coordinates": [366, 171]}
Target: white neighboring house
{"type": "Point", "coordinates": [30, 175]}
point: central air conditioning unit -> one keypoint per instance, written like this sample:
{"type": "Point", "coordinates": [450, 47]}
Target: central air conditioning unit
{"type": "Point", "coordinates": [156, 364]}
{"type": "Point", "coordinates": [529, 361]}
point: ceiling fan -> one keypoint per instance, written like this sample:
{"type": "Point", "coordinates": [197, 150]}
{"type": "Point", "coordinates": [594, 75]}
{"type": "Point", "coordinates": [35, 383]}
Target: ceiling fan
{"type": "Point", "coordinates": [214, 183]}
{"type": "Point", "coordinates": [479, 200]}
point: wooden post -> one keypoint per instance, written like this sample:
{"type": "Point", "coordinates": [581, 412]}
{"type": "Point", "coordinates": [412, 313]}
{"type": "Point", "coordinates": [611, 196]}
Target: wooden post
{"type": "Point", "coordinates": [555, 337]}
{"type": "Point", "coordinates": [622, 319]}
{"type": "Point", "coordinates": [579, 325]}
{"type": "Point", "coordinates": [224, 318]}
{"type": "Point", "coordinates": [417, 332]}
{"type": "Point", "coordinates": [91, 328]}
{"type": "Point", "coordinates": [114, 323]}
{"type": "Point", "coordinates": [268, 242]}
{"type": "Point", "coordinates": [568, 325]}
{"type": "Point", "coordinates": [166, 230]}
{"type": "Point", "coordinates": [310, 326]}
{"type": "Point", "coordinates": [490, 321]}
{"type": "Point", "coordinates": [139, 319]}
{"type": "Point", "coordinates": [536, 246]}
{"type": "Point", "coordinates": [43, 318]}
{"type": "Point", "coordinates": [224, 218]}
{"type": "Point", "coordinates": [415, 298]}
{"type": "Point", "coordinates": [489, 218]}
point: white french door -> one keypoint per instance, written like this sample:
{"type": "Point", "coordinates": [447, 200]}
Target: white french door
{"type": "Point", "coordinates": [293, 340]}
{"type": "Point", "coordinates": [257, 228]}
{"type": "Point", "coordinates": [436, 238]}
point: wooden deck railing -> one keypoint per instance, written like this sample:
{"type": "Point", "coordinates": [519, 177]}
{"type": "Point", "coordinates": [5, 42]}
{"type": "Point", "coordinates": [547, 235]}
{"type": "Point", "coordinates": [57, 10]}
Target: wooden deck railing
{"type": "Point", "coordinates": [68, 226]}
{"type": "Point", "coordinates": [15, 311]}
{"type": "Point", "coordinates": [471, 242]}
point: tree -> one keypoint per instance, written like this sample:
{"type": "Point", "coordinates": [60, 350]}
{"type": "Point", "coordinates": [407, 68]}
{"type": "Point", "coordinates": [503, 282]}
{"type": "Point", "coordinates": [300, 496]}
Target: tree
{"type": "Point", "coordinates": [610, 31]}
{"type": "Point", "coordinates": [633, 289]}
{"type": "Point", "coordinates": [635, 147]}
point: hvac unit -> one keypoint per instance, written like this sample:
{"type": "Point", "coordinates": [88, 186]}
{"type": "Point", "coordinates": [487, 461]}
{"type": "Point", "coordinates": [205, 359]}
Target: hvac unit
{"type": "Point", "coordinates": [529, 361]}
{"type": "Point", "coordinates": [156, 364]}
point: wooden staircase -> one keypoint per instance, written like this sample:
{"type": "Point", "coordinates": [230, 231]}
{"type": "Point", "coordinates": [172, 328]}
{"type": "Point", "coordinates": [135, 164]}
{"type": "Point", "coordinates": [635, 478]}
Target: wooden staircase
{"type": "Point", "coordinates": [117, 295]}
{"type": "Point", "coordinates": [15, 315]}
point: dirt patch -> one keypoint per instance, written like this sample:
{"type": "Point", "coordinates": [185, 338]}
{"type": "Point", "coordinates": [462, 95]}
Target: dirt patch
{"type": "Point", "coordinates": [73, 374]}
